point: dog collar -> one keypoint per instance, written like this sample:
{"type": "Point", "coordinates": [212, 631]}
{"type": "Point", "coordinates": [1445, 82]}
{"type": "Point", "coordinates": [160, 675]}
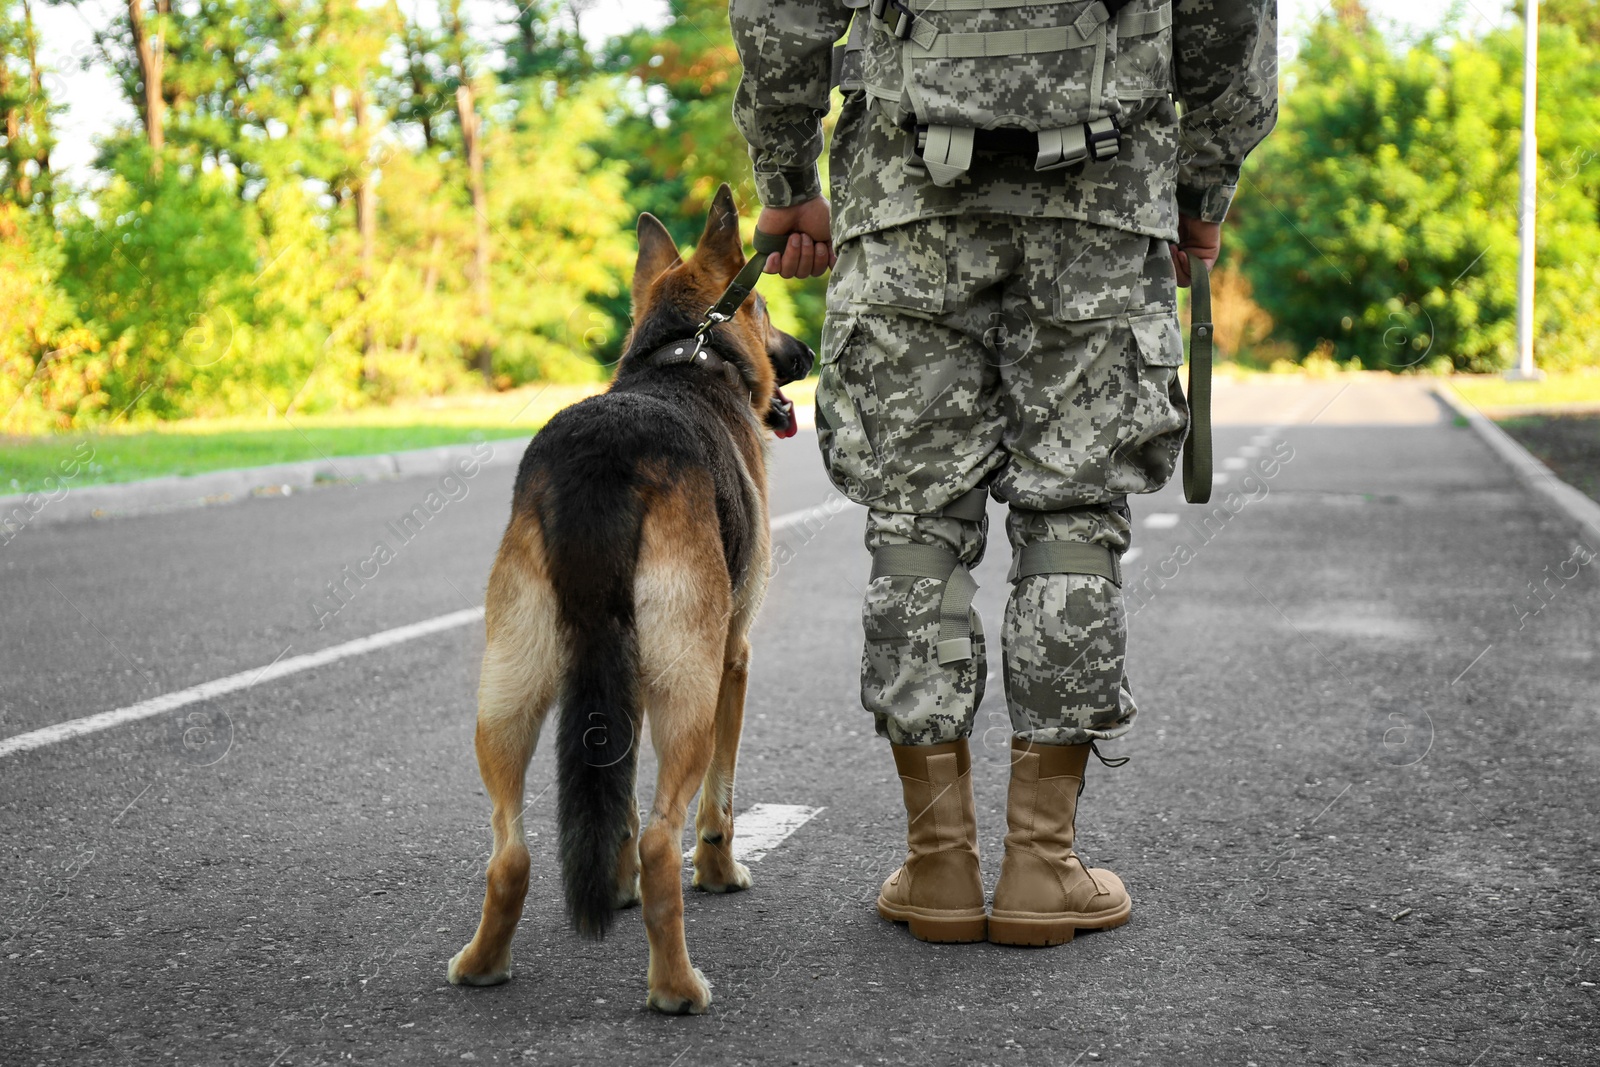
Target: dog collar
{"type": "Point", "coordinates": [693, 351]}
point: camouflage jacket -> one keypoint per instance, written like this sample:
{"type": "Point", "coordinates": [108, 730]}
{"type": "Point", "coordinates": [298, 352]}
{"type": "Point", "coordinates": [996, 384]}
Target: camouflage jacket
{"type": "Point", "coordinates": [1224, 76]}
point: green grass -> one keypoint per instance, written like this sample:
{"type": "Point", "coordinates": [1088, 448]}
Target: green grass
{"type": "Point", "coordinates": [197, 446]}
{"type": "Point", "coordinates": [1491, 392]}
{"type": "Point", "coordinates": [1568, 444]}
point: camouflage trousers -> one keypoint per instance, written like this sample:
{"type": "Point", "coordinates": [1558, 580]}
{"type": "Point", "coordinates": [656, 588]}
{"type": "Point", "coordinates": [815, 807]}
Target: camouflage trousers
{"type": "Point", "coordinates": [1037, 358]}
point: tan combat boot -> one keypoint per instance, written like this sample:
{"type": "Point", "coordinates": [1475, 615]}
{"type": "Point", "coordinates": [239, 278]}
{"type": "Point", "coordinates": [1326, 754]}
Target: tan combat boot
{"type": "Point", "coordinates": [938, 891]}
{"type": "Point", "coordinates": [1045, 894]}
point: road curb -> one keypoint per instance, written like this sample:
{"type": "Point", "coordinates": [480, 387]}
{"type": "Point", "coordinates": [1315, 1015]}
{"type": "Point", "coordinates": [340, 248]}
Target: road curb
{"type": "Point", "coordinates": [67, 504]}
{"type": "Point", "coordinates": [1529, 469]}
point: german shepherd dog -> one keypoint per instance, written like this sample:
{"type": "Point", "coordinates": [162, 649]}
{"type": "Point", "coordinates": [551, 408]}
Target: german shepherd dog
{"type": "Point", "coordinates": [625, 585]}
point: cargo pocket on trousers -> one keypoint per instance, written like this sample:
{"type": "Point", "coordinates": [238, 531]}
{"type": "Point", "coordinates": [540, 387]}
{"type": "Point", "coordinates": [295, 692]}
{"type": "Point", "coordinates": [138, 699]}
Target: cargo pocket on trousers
{"type": "Point", "coordinates": [843, 430]}
{"type": "Point", "coordinates": [1100, 269]}
{"type": "Point", "coordinates": [906, 266]}
{"type": "Point", "coordinates": [1161, 415]}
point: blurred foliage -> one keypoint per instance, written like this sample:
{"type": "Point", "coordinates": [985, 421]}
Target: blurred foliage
{"type": "Point", "coordinates": [1379, 222]}
{"type": "Point", "coordinates": [289, 223]}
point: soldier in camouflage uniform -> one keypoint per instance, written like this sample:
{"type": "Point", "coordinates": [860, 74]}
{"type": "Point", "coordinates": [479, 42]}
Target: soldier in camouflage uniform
{"type": "Point", "coordinates": [998, 329]}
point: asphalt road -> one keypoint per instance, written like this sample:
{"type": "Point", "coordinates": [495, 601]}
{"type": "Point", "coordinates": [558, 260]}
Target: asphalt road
{"type": "Point", "coordinates": [1358, 826]}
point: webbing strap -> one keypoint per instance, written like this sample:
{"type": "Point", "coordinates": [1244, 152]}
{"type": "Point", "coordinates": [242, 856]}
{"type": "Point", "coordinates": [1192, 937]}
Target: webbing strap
{"type": "Point", "coordinates": [1197, 445]}
{"type": "Point", "coordinates": [1141, 23]}
{"type": "Point", "coordinates": [854, 43]}
{"type": "Point", "coordinates": [947, 153]}
{"type": "Point", "coordinates": [1111, 6]}
{"type": "Point", "coordinates": [744, 283]}
{"type": "Point", "coordinates": [915, 561]}
{"type": "Point", "coordinates": [1065, 557]}
{"type": "Point", "coordinates": [969, 506]}
{"type": "Point", "coordinates": [955, 606]}
{"type": "Point", "coordinates": [974, 5]}
{"type": "Point", "coordinates": [1004, 43]}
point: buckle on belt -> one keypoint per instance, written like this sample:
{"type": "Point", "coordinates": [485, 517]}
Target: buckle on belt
{"type": "Point", "coordinates": [904, 17]}
{"type": "Point", "coordinates": [1096, 140]}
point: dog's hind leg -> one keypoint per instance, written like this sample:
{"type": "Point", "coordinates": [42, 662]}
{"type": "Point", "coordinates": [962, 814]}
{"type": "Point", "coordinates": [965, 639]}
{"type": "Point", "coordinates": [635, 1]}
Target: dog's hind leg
{"type": "Point", "coordinates": [715, 869]}
{"type": "Point", "coordinates": [518, 682]}
{"type": "Point", "coordinates": [682, 727]}
{"type": "Point", "coordinates": [683, 629]}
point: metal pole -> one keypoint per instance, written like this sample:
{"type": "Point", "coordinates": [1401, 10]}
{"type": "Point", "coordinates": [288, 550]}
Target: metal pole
{"type": "Point", "coordinates": [1527, 209]}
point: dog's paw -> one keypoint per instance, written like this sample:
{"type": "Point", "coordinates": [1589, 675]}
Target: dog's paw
{"type": "Point", "coordinates": [460, 972]}
{"type": "Point", "coordinates": [720, 875]}
{"type": "Point", "coordinates": [689, 997]}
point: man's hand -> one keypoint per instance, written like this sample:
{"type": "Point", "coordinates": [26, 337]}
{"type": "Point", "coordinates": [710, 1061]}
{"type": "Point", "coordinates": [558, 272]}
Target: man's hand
{"type": "Point", "coordinates": [1200, 239]}
{"type": "Point", "coordinates": [810, 229]}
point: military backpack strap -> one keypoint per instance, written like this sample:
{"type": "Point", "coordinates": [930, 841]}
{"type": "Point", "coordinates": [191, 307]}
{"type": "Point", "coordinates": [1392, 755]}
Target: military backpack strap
{"type": "Point", "coordinates": [955, 606]}
{"type": "Point", "coordinates": [1197, 445]}
{"type": "Point", "coordinates": [846, 71]}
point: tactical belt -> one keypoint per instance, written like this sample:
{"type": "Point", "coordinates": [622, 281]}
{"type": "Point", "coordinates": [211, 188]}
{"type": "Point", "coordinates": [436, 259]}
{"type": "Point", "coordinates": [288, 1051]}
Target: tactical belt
{"type": "Point", "coordinates": [1093, 141]}
{"type": "Point", "coordinates": [1197, 444]}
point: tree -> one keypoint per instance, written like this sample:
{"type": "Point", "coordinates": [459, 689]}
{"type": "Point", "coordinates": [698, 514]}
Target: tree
{"type": "Point", "coordinates": [27, 111]}
{"type": "Point", "coordinates": [1379, 220]}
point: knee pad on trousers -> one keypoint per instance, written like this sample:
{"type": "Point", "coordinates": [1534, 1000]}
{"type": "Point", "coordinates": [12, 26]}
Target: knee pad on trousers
{"type": "Point", "coordinates": [1065, 640]}
{"type": "Point", "coordinates": [955, 605]}
{"type": "Point", "coordinates": [928, 561]}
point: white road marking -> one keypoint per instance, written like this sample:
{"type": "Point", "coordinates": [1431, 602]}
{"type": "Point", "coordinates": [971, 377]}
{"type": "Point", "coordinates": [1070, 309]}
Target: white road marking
{"type": "Point", "coordinates": [89, 724]}
{"type": "Point", "coordinates": [763, 828]}
{"type": "Point", "coordinates": [1233, 463]}
{"type": "Point", "coordinates": [1219, 479]}
{"type": "Point", "coordinates": [1250, 451]}
{"type": "Point", "coordinates": [1132, 554]}
{"type": "Point", "coordinates": [805, 516]}
{"type": "Point", "coordinates": [1161, 520]}
{"type": "Point", "coordinates": [282, 668]}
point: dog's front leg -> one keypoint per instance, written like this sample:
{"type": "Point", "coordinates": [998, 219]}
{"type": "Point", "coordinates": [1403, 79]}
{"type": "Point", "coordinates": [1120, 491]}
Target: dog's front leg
{"type": "Point", "coordinates": [715, 869]}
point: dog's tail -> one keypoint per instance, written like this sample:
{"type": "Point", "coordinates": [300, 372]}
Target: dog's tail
{"type": "Point", "coordinates": [592, 538]}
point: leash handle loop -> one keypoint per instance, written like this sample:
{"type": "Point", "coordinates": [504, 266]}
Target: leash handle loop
{"type": "Point", "coordinates": [1197, 444]}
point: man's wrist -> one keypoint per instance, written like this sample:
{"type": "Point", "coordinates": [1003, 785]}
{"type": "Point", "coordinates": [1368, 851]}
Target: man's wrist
{"type": "Point", "coordinates": [788, 187]}
{"type": "Point", "coordinates": [1208, 203]}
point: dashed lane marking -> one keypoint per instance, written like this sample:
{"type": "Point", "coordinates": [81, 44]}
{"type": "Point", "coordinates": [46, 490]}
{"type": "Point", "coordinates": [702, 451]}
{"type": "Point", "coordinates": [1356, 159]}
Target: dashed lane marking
{"type": "Point", "coordinates": [1161, 520]}
{"type": "Point", "coordinates": [763, 828]}
{"type": "Point", "coordinates": [281, 668]}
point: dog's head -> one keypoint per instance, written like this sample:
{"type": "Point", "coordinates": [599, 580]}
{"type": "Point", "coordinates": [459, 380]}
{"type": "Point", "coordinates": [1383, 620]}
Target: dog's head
{"type": "Point", "coordinates": [671, 294]}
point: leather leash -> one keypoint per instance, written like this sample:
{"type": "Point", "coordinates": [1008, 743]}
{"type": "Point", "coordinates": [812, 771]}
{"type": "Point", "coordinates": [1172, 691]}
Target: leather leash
{"type": "Point", "coordinates": [1197, 444]}
{"type": "Point", "coordinates": [743, 284]}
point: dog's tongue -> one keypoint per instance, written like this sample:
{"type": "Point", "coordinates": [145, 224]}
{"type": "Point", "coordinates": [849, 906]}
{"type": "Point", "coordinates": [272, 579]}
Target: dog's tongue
{"type": "Point", "coordinates": [785, 409]}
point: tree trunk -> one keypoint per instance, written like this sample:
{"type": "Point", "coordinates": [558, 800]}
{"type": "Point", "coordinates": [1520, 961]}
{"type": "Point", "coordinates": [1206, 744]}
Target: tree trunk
{"type": "Point", "coordinates": [151, 53]}
{"type": "Point", "coordinates": [40, 117]}
{"type": "Point", "coordinates": [366, 201]}
{"type": "Point", "coordinates": [430, 282]}
{"type": "Point", "coordinates": [472, 136]}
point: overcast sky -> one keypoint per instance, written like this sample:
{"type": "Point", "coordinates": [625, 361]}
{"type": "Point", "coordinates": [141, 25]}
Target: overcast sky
{"type": "Point", "coordinates": [94, 106]}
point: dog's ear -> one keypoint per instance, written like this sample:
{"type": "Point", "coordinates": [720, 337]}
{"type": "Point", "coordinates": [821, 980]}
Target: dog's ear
{"type": "Point", "coordinates": [657, 252]}
{"type": "Point", "coordinates": [720, 243]}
